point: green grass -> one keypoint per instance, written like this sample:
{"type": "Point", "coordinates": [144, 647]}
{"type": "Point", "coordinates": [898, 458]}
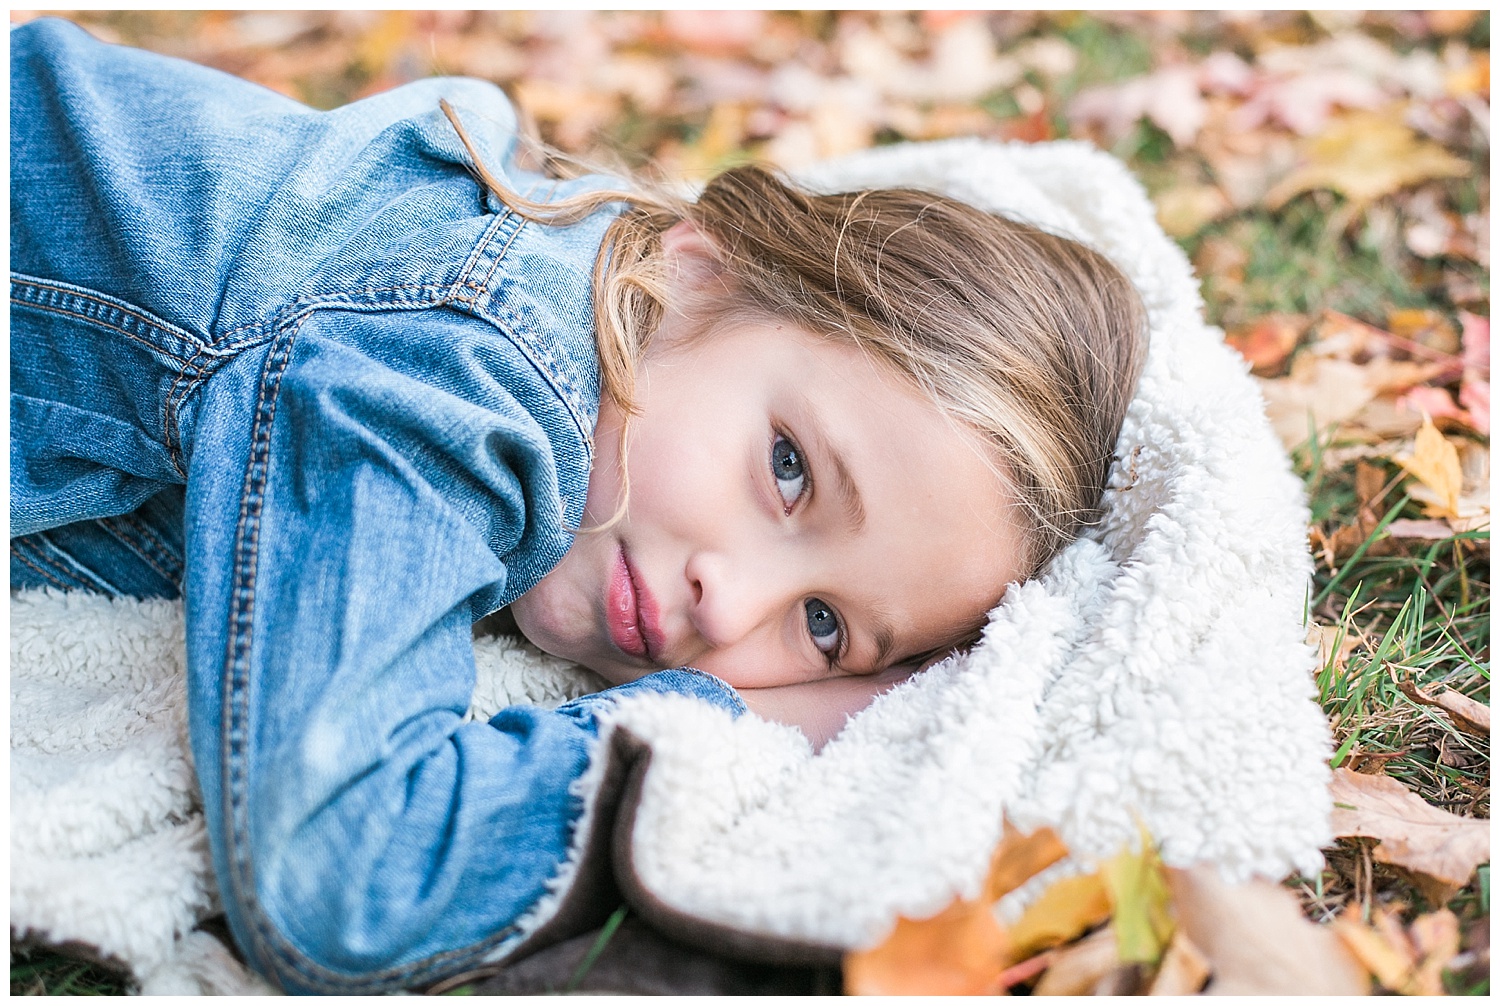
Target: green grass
{"type": "Point", "coordinates": [1419, 613]}
{"type": "Point", "coordinates": [41, 972]}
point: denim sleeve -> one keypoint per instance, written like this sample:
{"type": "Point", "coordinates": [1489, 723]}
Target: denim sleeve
{"type": "Point", "coordinates": [365, 837]}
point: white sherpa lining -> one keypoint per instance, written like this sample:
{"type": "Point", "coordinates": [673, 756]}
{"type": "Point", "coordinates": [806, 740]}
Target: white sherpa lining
{"type": "Point", "coordinates": [1155, 672]}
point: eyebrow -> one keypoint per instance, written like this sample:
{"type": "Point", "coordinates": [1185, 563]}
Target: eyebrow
{"type": "Point", "coordinates": [885, 640]}
{"type": "Point", "coordinates": [847, 490]}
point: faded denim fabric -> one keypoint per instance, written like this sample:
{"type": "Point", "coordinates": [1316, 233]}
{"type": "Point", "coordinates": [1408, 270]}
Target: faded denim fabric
{"type": "Point", "coordinates": [299, 367]}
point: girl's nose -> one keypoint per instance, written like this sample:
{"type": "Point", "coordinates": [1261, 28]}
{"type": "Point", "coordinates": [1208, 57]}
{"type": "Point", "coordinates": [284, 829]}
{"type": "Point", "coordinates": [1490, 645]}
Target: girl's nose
{"type": "Point", "coordinates": [732, 596]}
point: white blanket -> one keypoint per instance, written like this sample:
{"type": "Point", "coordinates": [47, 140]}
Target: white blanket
{"type": "Point", "coordinates": [1155, 673]}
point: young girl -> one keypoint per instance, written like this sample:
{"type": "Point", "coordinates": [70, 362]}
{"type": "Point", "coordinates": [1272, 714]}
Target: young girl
{"type": "Point", "coordinates": [350, 381]}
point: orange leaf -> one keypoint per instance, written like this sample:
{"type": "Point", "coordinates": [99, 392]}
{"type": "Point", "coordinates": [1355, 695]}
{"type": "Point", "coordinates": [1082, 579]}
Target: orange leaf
{"type": "Point", "coordinates": [959, 951]}
{"type": "Point", "coordinates": [1389, 962]}
{"type": "Point", "coordinates": [1018, 858]}
{"type": "Point", "coordinates": [1268, 341]}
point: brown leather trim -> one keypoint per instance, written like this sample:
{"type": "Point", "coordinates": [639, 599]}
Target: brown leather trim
{"type": "Point", "coordinates": [713, 937]}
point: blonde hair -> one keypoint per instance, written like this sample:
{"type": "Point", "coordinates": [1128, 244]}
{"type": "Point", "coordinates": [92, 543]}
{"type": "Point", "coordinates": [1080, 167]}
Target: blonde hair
{"type": "Point", "coordinates": [1031, 340]}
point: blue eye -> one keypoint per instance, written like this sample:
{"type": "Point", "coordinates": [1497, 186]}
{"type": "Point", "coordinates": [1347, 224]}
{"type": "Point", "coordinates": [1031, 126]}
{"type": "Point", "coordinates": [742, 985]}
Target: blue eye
{"type": "Point", "coordinates": [823, 624]}
{"type": "Point", "coordinates": [789, 471]}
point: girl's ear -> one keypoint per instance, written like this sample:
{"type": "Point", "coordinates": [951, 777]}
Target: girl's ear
{"type": "Point", "coordinates": [691, 256]}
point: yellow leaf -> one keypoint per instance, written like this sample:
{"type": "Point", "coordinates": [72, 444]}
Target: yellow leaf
{"type": "Point", "coordinates": [1366, 155]}
{"type": "Point", "coordinates": [959, 951]}
{"type": "Point", "coordinates": [1063, 913]}
{"type": "Point", "coordinates": [1138, 892]}
{"type": "Point", "coordinates": [1434, 463]}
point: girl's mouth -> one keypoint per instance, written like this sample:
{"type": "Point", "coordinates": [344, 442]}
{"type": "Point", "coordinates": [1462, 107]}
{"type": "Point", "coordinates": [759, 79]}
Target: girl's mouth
{"type": "Point", "coordinates": [630, 613]}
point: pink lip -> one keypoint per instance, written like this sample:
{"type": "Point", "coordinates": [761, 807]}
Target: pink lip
{"type": "Point", "coordinates": [630, 613]}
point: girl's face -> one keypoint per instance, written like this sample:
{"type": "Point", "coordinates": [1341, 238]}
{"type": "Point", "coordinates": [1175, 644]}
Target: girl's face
{"type": "Point", "coordinates": [795, 513]}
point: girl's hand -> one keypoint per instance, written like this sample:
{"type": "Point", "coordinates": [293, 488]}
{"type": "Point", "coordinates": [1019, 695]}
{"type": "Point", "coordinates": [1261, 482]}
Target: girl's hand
{"type": "Point", "coordinates": [820, 709]}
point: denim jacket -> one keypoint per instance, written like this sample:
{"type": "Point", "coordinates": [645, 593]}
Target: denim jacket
{"type": "Point", "coordinates": [302, 368]}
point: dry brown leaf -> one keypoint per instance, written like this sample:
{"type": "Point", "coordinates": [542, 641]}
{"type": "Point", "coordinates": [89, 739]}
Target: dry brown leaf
{"type": "Point", "coordinates": [1434, 462]}
{"type": "Point", "coordinates": [1077, 969]}
{"type": "Point", "coordinates": [959, 951]}
{"type": "Point", "coordinates": [1328, 391]}
{"type": "Point", "coordinates": [1427, 530]}
{"type": "Point", "coordinates": [1064, 912]}
{"type": "Point", "coordinates": [1333, 642]}
{"type": "Point", "coordinates": [1469, 716]}
{"type": "Point", "coordinates": [1020, 857]}
{"type": "Point", "coordinates": [1183, 969]}
{"type": "Point", "coordinates": [1440, 850]}
{"type": "Point", "coordinates": [1257, 941]}
{"type": "Point", "coordinates": [1366, 155]}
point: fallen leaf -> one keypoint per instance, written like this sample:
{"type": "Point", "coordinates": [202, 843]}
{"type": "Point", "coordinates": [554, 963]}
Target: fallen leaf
{"type": "Point", "coordinates": [959, 951]}
{"type": "Point", "coordinates": [1476, 341]}
{"type": "Point", "coordinates": [1304, 101]}
{"type": "Point", "coordinates": [1441, 850]}
{"type": "Point", "coordinates": [1409, 961]}
{"type": "Point", "coordinates": [1426, 328]}
{"type": "Point", "coordinates": [1451, 22]}
{"type": "Point", "coordinates": [1334, 644]}
{"type": "Point", "coordinates": [1436, 936]}
{"type": "Point", "coordinates": [1366, 155]}
{"type": "Point", "coordinates": [1390, 961]}
{"type": "Point", "coordinates": [1077, 969]}
{"type": "Point", "coordinates": [1318, 393]}
{"type": "Point", "coordinates": [1138, 893]}
{"type": "Point", "coordinates": [1184, 210]}
{"type": "Point", "coordinates": [1256, 940]}
{"type": "Point", "coordinates": [1427, 530]}
{"type": "Point", "coordinates": [714, 31]}
{"type": "Point", "coordinates": [1434, 462]}
{"type": "Point", "coordinates": [1434, 402]}
{"type": "Point", "coordinates": [1474, 396]}
{"type": "Point", "coordinates": [1022, 972]}
{"type": "Point", "coordinates": [1268, 341]}
{"type": "Point", "coordinates": [1183, 970]}
{"type": "Point", "coordinates": [1020, 857]}
{"type": "Point", "coordinates": [1468, 715]}
{"type": "Point", "coordinates": [1065, 911]}
{"type": "Point", "coordinates": [1170, 97]}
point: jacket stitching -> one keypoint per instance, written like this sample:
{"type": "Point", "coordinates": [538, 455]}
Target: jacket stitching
{"type": "Point", "coordinates": [135, 536]}
{"type": "Point", "coordinates": [17, 554]}
{"type": "Point", "coordinates": [235, 676]}
{"type": "Point", "coordinates": [102, 323]}
{"type": "Point", "coordinates": [103, 303]}
{"type": "Point", "coordinates": [78, 575]}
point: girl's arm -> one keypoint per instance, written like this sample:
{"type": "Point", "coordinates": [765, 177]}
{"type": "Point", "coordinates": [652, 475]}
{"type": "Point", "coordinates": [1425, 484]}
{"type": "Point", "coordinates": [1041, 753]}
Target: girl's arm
{"type": "Point", "coordinates": [820, 709]}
